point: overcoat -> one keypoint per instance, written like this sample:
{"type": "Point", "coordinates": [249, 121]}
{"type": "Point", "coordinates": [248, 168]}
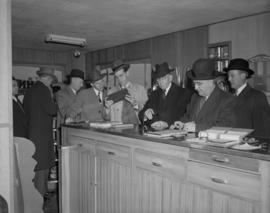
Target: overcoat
{"type": "Point", "coordinates": [19, 120]}
{"type": "Point", "coordinates": [216, 111]}
{"type": "Point", "coordinates": [252, 111]}
{"type": "Point", "coordinates": [40, 109]}
{"type": "Point", "coordinates": [170, 108]}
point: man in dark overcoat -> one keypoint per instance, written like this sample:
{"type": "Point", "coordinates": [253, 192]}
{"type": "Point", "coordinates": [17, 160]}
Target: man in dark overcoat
{"type": "Point", "coordinates": [166, 104]}
{"type": "Point", "coordinates": [40, 109]}
{"type": "Point", "coordinates": [251, 109]}
{"type": "Point", "coordinates": [210, 106]}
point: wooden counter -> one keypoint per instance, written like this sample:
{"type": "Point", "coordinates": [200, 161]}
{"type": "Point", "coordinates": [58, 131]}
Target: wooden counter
{"type": "Point", "coordinates": [123, 171]}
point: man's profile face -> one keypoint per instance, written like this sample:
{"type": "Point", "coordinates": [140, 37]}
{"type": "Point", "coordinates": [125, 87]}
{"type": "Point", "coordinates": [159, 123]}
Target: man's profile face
{"type": "Point", "coordinates": [121, 76]}
{"type": "Point", "coordinates": [236, 78]}
{"type": "Point", "coordinates": [164, 81]}
{"type": "Point", "coordinates": [77, 83]}
{"type": "Point", "coordinates": [15, 87]}
{"type": "Point", "coordinates": [203, 87]}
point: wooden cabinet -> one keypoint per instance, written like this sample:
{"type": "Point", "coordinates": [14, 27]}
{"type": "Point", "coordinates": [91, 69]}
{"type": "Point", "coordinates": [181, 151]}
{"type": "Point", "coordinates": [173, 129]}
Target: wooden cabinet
{"type": "Point", "coordinates": [113, 178]}
{"type": "Point", "coordinates": [114, 174]}
{"type": "Point", "coordinates": [158, 181]}
{"type": "Point", "coordinates": [78, 177]}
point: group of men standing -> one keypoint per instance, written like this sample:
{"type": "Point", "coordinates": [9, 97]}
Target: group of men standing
{"type": "Point", "coordinates": [169, 106]}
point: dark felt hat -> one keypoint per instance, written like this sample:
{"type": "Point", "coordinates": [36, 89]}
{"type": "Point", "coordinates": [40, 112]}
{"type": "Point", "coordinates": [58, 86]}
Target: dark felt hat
{"type": "Point", "coordinates": [162, 70]}
{"type": "Point", "coordinates": [119, 64]}
{"type": "Point", "coordinates": [203, 69]}
{"type": "Point", "coordinates": [76, 73]}
{"type": "Point", "coordinates": [96, 75]}
{"type": "Point", "coordinates": [47, 71]}
{"type": "Point", "coordinates": [239, 64]}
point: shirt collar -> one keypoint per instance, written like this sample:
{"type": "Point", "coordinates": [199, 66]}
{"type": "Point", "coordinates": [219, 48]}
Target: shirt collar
{"type": "Point", "coordinates": [240, 89]}
{"type": "Point", "coordinates": [96, 91]}
{"type": "Point", "coordinates": [168, 88]}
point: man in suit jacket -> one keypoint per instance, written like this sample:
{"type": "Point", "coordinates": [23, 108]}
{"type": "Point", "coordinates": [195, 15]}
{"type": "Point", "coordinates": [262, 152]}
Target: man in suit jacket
{"type": "Point", "coordinates": [19, 116]}
{"type": "Point", "coordinates": [40, 109]}
{"type": "Point", "coordinates": [167, 103]}
{"type": "Point", "coordinates": [211, 106]}
{"type": "Point", "coordinates": [66, 96]}
{"type": "Point", "coordinates": [89, 103]}
{"type": "Point", "coordinates": [126, 110]}
{"type": "Point", "coordinates": [251, 109]}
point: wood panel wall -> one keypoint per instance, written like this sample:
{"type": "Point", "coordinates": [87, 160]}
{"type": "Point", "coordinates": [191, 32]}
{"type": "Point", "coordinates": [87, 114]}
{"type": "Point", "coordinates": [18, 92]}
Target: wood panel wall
{"type": "Point", "coordinates": [24, 56]}
{"type": "Point", "coordinates": [249, 36]}
{"type": "Point", "coordinates": [178, 49]}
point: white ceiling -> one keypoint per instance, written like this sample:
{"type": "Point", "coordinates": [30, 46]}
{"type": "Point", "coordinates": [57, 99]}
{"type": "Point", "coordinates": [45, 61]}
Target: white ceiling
{"type": "Point", "coordinates": [106, 23]}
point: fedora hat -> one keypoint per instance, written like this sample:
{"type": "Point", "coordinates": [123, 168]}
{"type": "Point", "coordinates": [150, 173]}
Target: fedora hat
{"type": "Point", "coordinates": [162, 70]}
{"type": "Point", "coordinates": [76, 73]}
{"type": "Point", "coordinates": [47, 72]}
{"type": "Point", "coordinates": [96, 75]}
{"type": "Point", "coordinates": [119, 64]}
{"type": "Point", "coordinates": [239, 64]}
{"type": "Point", "coordinates": [203, 69]}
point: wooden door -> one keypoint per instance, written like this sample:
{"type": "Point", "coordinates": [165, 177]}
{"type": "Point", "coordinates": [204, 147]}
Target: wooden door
{"type": "Point", "coordinates": [113, 179]}
{"type": "Point", "coordinates": [78, 180]}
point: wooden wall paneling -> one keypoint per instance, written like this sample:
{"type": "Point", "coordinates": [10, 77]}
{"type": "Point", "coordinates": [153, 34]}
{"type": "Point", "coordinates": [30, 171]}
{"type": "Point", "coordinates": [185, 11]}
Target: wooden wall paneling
{"type": "Point", "coordinates": [250, 36]}
{"type": "Point", "coordinates": [88, 64]}
{"type": "Point", "coordinates": [164, 49]}
{"type": "Point", "coordinates": [102, 56]}
{"type": "Point", "coordinates": [110, 55]}
{"type": "Point", "coordinates": [137, 50]}
{"type": "Point", "coordinates": [119, 52]}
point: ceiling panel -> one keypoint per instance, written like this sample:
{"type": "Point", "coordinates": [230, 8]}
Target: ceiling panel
{"type": "Point", "coordinates": [112, 22]}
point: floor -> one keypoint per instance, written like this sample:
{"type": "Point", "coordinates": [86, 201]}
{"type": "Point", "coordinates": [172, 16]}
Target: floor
{"type": "Point", "coordinates": [51, 203]}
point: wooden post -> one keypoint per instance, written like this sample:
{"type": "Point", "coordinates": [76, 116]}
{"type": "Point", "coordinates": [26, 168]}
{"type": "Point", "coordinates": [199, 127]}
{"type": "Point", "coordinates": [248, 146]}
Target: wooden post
{"type": "Point", "coordinates": [6, 129]}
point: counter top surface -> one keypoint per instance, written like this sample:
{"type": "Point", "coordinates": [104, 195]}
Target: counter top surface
{"type": "Point", "coordinates": [136, 133]}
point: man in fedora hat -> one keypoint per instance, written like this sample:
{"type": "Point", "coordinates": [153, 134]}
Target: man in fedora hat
{"type": "Point", "coordinates": [126, 110]}
{"type": "Point", "coordinates": [167, 103]}
{"type": "Point", "coordinates": [210, 106]}
{"type": "Point", "coordinates": [40, 108]}
{"type": "Point", "coordinates": [89, 103]}
{"type": "Point", "coordinates": [251, 109]}
{"type": "Point", "coordinates": [66, 96]}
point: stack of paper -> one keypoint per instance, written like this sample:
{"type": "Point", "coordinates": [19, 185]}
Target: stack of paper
{"type": "Point", "coordinates": [168, 133]}
{"type": "Point", "coordinates": [103, 124]}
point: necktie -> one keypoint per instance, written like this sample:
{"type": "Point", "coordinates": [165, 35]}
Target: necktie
{"type": "Point", "coordinates": [99, 99]}
{"type": "Point", "coordinates": [19, 103]}
{"type": "Point", "coordinates": [163, 94]}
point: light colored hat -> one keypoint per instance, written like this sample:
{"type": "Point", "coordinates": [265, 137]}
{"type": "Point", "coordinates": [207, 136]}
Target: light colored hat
{"type": "Point", "coordinates": [47, 71]}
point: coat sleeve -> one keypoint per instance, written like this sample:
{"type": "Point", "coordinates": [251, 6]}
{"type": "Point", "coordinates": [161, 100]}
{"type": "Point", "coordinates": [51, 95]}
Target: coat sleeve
{"type": "Point", "coordinates": [261, 116]}
{"type": "Point", "coordinates": [47, 103]}
{"type": "Point", "coordinates": [182, 104]}
{"type": "Point", "coordinates": [61, 100]}
{"type": "Point", "coordinates": [226, 117]}
{"type": "Point", "coordinates": [76, 107]}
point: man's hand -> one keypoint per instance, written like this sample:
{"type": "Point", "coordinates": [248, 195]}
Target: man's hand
{"type": "Point", "coordinates": [159, 125]}
{"type": "Point", "coordinates": [131, 100]}
{"type": "Point", "coordinates": [177, 125]}
{"type": "Point", "coordinates": [189, 127]}
{"type": "Point", "coordinates": [108, 103]}
{"type": "Point", "coordinates": [148, 114]}
{"type": "Point", "coordinates": [69, 120]}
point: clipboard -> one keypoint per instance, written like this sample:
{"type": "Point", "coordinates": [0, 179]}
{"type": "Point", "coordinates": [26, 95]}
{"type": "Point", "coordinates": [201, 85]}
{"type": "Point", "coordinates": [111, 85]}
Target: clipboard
{"type": "Point", "coordinates": [117, 96]}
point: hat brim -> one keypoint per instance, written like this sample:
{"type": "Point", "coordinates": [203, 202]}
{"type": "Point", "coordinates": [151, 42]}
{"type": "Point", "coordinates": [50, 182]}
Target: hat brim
{"type": "Point", "coordinates": [91, 80]}
{"type": "Point", "coordinates": [160, 74]}
{"type": "Point", "coordinates": [206, 77]}
{"type": "Point", "coordinates": [55, 80]}
{"type": "Point", "coordinates": [73, 76]}
{"type": "Point", "coordinates": [121, 66]}
{"type": "Point", "coordinates": [249, 71]}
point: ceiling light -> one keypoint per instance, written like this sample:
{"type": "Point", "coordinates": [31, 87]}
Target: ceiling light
{"type": "Point", "coordinates": [58, 39]}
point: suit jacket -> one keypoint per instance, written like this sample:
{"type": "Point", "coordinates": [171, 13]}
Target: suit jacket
{"type": "Point", "coordinates": [87, 106]}
{"type": "Point", "coordinates": [169, 109]}
{"type": "Point", "coordinates": [252, 111]}
{"type": "Point", "coordinates": [19, 120]}
{"type": "Point", "coordinates": [40, 109]}
{"type": "Point", "coordinates": [216, 111]}
{"type": "Point", "coordinates": [123, 111]}
{"type": "Point", "coordinates": [65, 97]}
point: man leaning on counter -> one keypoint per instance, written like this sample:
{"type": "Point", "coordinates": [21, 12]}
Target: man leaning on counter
{"type": "Point", "coordinates": [211, 106]}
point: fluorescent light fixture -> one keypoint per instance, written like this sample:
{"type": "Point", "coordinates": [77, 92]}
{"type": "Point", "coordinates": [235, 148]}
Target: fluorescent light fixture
{"type": "Point", "coordinates": [58, 39]}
